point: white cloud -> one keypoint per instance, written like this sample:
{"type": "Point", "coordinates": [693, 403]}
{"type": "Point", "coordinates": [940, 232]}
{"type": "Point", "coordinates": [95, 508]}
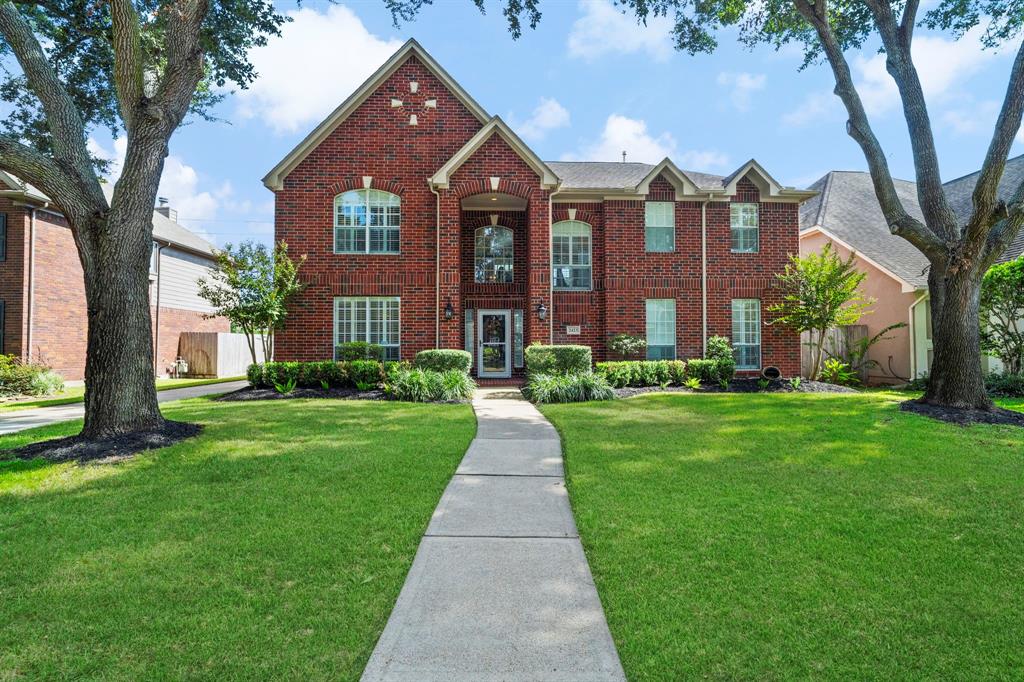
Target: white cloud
{"type": "Point", "coordinates": [548, 115]}
{"type": "Point", "coordinates": [319, 59]}
{"type": "Point", "coordinates": [941, 64]}
{"type": "Point", "coordinates": [814, 107]}
{"type": "Point", "coordinates": [604, 29]}
{"type": "Point", "coordinates": [742, 87]}
{"type": "Point", "coordinates": [980, 117]}
{"type": "Point", "coordinates": [624, 134]}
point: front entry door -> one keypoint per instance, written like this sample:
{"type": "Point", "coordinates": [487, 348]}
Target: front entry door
{"type": "Point", "coordinates": [493, 352]}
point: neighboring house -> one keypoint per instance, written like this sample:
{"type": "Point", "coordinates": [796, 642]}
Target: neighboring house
{"type": "Point", "coordinates": [846, 213]}
{"type": "Point", "coordinates": [42, 290]}
{"type": "Point", "coordinates": [428, 223]}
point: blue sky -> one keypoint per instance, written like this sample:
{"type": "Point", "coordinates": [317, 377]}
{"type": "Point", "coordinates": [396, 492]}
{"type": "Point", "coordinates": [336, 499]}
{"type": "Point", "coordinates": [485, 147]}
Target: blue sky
{"type": "Point", "coordinates": [587, 84]}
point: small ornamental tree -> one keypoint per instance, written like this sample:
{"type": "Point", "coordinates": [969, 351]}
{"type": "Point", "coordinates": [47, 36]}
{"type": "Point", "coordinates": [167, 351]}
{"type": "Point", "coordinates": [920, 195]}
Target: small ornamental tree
{"type": "Point", "coordinates": [819, 291]}
{"type": "Point", "coordinates": [1002, 314]}
{"type": "Point", "coordinates": [627, 346]}
{"type": "Point", "coordinates": [252, 287]}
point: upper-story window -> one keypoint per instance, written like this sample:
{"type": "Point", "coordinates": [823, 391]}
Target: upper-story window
{"type": "Point", "coordinates": [570, 255]}
{"type": "Point", "coordinates": [660, 226]}
{"type": "Point", "coordinates": [492, 255]}
{"type": "Point", "coordinates": [367, 221]}
{"type": "Point", "coordinates": [743, 220]}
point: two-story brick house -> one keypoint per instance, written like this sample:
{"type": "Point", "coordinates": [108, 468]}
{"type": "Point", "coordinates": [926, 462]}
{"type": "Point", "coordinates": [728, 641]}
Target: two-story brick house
{"type": "Point", "coordinates": [428, 223]}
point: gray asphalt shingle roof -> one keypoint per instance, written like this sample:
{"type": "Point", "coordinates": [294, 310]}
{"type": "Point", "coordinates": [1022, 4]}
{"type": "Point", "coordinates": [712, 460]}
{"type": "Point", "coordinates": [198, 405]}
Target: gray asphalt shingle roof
{"type": "Point", "coordinates": [616, 174]}
{"type": "Point", "coordinates": [167, 230]}
{"type": "Point", "coordinates": [847, 207]}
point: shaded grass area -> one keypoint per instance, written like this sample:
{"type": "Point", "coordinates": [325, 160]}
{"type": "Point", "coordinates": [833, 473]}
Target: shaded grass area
{"type": "Point", "coordinates": [272, 546]}
{"type": "Point", "coordinates": [76, 394]}
{"type": "Point", "coordinates": [800, 536]}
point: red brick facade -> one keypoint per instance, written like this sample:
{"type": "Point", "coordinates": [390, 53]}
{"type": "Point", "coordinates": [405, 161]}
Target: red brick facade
{"type": "Point", "coordinates": [375, 146]}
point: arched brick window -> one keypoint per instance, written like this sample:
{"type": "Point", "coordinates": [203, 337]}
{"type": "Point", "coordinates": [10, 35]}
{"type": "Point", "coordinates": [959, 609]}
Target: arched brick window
{"type": "Point", "coordinates": [367, 221]}
{"type": "Point", "coordinates": [493, 255]}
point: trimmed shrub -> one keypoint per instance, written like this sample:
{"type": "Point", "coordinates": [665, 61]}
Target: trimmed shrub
{"type": "Point", "coordinates": [676, 372]}
{"type": "Point", "coordinates": [316, 374]}
{"type": "Point", "coordinates": [567, 388]}
{"type": "Point", "coordinates": [1005, 385]}
{"type": "Point", "coordinates": [443, 360]}
{"type": "Point", "coordinates": [359, 350]}
{"type": "Point", "coordinates": [365, 374]}
{"type": "Point", "coordinates": [703, 370]}
{"type": "Point", "coordinates": [627, 345]}
{"type": "Point", "coordinates": [426, 385]}
{"type": "Point", "coordinates": [641, 373]}
{"type": "Point", "coordinates": [27, 378]}
{"type": "Point", "coordinates": [566, 359]}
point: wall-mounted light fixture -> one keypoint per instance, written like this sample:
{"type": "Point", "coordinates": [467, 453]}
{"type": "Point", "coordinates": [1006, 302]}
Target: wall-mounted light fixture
{"type": "Point", "coordinates": [542, 311]}
{"type": "Point", "coordinates": [449, 312]}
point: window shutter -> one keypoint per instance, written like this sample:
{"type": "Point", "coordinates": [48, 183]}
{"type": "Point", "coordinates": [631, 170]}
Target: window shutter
{"type": "Point", "coordinates": [517, 338]}
{"type": "Point", "coordinates": [470, 317]}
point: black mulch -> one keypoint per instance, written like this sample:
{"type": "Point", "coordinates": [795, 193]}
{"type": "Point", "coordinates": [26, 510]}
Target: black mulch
{"type": "Point", "coordinates": [251, 393]}
{"type": "Point", "coordinates": [741, 386]}
{"type": "Point", "coordinates": [111, 448]}
{"type": "Point", "coordinates": [964, 417]}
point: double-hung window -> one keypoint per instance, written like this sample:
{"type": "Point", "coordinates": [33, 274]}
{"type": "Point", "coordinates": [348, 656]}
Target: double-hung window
{"type": "Point", "coordinates": [743, 220]}
{"type": "Point", "coordinates": [492, 255]}
{"type": "Point", "coordinates": [746, 332]}
{"type": "Point", "coordinates": [660, 226]}
{"type": "Point", "coordinates": [367, 221]}
{"type": "Point", "coordinates": [661, 329]}
{"type": "Point", "coordinates": [373, 319]}
{"type": "Point", "coordinates": [570, 255]}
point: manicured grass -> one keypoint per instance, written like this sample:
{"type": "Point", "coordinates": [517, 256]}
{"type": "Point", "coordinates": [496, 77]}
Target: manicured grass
{"type": "Point", "coordinates": [780, 536]}
{"type": "Point", "coordinates": [76, 394]}
{"type": "Point", "coordinates": [271, 547]}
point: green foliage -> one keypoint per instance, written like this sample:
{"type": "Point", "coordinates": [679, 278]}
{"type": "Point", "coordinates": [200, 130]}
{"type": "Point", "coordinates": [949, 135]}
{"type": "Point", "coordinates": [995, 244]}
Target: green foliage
{"type": "Point", "coordinates": [819, 291]}
{"type": "Point", "coordinates": [795, 383]}
{"type": "Point", "coordinates": [1005, 385]}
{"type": "Point", "coordinates": [286, 387]}
{"type": "Point", "coordinates": [362, 374]}
{"type": "Point", "coordinates": [365, 374]}
{"type": "Point", "coordinates": [856, 355]}
{"type": "Point", "coordinates": [251, 287]}
{"type": "Point", "coordinates": [838, 372]}
{"type": "Point", "coordinates": [719, 350]}
{"type": "Point", "coordinates": [1002, 314]}
{"type": "Point", "coordinates": [703, 370]}
{"type": "Point", "coordinates": [443, 360]}
{"type": "Point", "coordinates": [567, 388]}
{"type": "Point", "coordinates": [359, 350]}
{"type": "Point", "coordinates": [426, 385]}
{"type": "Point", "coordinates": [692, 383]}
{"type": "Point", "coordinates": [27, 378]}
{"type": "Point", "coordinates": [567, 359]}
{"type": "Point", "coordinates": [627, 345]}
{"type": "Point", "coordinates": [763, 384]}
{"type": "Point", "coordinates": [643, 372]}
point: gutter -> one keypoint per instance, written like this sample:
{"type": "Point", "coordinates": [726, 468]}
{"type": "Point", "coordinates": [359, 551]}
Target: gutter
{"type": "Point", "coordinates": [704, 276]}
{"type": "Point", "coordinates": [551, 279]}
{"type": "Point", "coordinates": [31, 279]}
{"type": "Point", "coordinates": [437, 267]}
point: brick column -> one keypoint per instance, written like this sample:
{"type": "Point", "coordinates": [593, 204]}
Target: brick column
{"type": "Point", "coordinates": [450, 229]}
{"type": "Point", "coordinates": [539, 267]}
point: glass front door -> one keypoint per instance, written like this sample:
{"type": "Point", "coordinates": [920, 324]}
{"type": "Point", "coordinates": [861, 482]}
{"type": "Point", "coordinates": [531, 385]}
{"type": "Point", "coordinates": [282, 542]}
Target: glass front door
{"type": "Point", "coordinates": [494, 358]}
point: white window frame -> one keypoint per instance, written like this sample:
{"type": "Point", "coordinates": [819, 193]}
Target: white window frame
{"type": "Point", "coordinates": [660, 322]}
{"type": "Point", "coordinates": [501, 267]}
{"type": "Point", "coordinates": [573, 229]}
{"type": "Point", "coordinates": [391, 329]}
{"type": "Point", "coordinates": [372, 201]}
{"type": "Point", "coordinates": [746, 333]}
{"type": "Point", "coordinates": [744, 220]}
{"type": "Point", "coordinates": [659, 215]}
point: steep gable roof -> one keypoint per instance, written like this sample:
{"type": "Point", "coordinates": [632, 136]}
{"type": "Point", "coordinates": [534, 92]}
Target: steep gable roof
{"type": "Point", "coordinates": [274, 180]}
{"type": "Point", "coordinates": [495, 126]}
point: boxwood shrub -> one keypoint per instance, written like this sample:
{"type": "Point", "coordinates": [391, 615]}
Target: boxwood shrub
{"type": "Point", "coordinates": [541, 359]}
{"type": "Point", "coordinates": [443, 360]}
{"type": "Point", "coordinates": [640, 373]}
{"type": "Point", "coordinates": [1005, 385]}
{"type": "Point", "coordinates": [352, 374]}
{"type": "Point", "coordinates": [359, 350]}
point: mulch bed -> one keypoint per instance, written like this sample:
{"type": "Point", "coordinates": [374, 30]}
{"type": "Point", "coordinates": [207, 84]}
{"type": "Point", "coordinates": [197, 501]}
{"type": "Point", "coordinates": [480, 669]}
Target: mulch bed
{"type": "Point", "coordinates": [964, 417]}
{"type": "Point", "coordinates": [109, 449]}
{"type": "Point", "coordinates": [740, 386]}
{"type": "Point", "coordinates": [251, 393]}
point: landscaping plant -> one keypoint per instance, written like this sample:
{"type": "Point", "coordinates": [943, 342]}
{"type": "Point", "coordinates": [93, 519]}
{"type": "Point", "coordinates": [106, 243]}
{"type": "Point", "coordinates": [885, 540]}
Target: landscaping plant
{"type": "Point", "coordinates": [443, 360]}
{"type": "Point", "coordinates": [1002, 314]}
{"type": "Point", "coordinates": [567, 388]}
{"type": "Point", "coordinates": [565, 359]}
{"type": "Point", "coordinates": [838, 372]}
{"type": "Point", "coordinates": [692, 383]}
{"type": "Point", "coordinates": [27, 378]}
{"type": "Point", "coordinates": [359, 350]}
{"type": "Point", "coordinates": [427, 385]}
{"type": "Point", "coordinates": [627, 346]}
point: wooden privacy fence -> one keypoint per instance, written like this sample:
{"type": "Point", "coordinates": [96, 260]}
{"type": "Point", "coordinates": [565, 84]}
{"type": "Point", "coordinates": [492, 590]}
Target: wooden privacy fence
{"type": "Point", "coordinates": [838, 341]}
{"type": "Point", "coordinates": [216, 354]}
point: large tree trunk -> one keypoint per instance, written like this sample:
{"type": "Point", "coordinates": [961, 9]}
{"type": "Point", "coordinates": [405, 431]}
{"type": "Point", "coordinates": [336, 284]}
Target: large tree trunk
{"type": "Point", "coordinates": [956, 379]}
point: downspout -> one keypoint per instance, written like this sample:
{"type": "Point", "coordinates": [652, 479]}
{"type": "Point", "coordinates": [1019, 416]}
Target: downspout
{"type": "Point", "coordinates": [913, 336]}
{"type": "Point", "coordinates": [437, 267]}
{"type": "Point", "coordinates": [551, 279]}
{"type": "Point", "coordinates": [156, 331]}
{"type": "Point", "coordinates": [31, 279]}
{"type": "Point", "coordinates": [704, 276]}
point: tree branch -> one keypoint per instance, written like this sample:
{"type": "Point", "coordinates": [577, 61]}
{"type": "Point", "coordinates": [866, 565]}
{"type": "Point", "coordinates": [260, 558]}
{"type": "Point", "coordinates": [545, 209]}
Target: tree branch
{"type": "Point", "coordinates": [986, 191]}
{"type": "Point", "coordinates": [62, 117]}
{"type": "Point", "coordinates": [184, 59]}
{"type": "Point", "coordinates": [899, 62]}
{"type": "Point", "coordinates": [41, 171]}
{"type": "Point", "coordinates": [908, 21]}
{"type": "Point", "coordinates": [128, 62]}
{"type": "Point", "coordinates": [900, 222]}
{"type": "Point", "coordinates": [1004, 230]}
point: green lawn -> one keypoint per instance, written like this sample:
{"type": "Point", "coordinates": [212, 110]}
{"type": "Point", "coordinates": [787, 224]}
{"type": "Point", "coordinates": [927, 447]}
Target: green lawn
{"type": "Point", "coordinates": [800, 536]}
{"type": "Point", "coordinates": [76, 394]}
{"type": "Point", "coordinates": [271, 547]}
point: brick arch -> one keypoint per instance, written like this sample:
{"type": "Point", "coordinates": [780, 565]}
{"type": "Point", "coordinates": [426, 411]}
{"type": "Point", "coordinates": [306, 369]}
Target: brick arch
{"type": "Point", "coordinates": [351, 183]}
{"type": "Point", "coordinates": [485, 220]}
{"type": "Point", "coordinates": [582, 215]}
{"type": "Point", "coordinates": [483, 186]}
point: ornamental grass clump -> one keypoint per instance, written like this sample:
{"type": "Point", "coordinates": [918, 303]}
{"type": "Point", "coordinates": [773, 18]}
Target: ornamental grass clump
{"type": "Point", "coordinates": [428, 386]}
{"type": "Point", "coordinates": [567, 388]}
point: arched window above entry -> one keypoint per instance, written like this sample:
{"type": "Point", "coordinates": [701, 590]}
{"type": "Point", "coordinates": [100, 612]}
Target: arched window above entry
{"type": "Point", "coordinates": [493, 255]}
{"type": "Point", "coordinates": [367, 221]}
{"type": "Point", "coordinates": [570, 255]}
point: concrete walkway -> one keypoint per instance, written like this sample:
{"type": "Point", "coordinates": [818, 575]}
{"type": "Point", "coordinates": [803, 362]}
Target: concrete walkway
{"type": "Point", "coordinates": [19, 420]}
{"type": "Point", "coordinates": [500, 588]}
